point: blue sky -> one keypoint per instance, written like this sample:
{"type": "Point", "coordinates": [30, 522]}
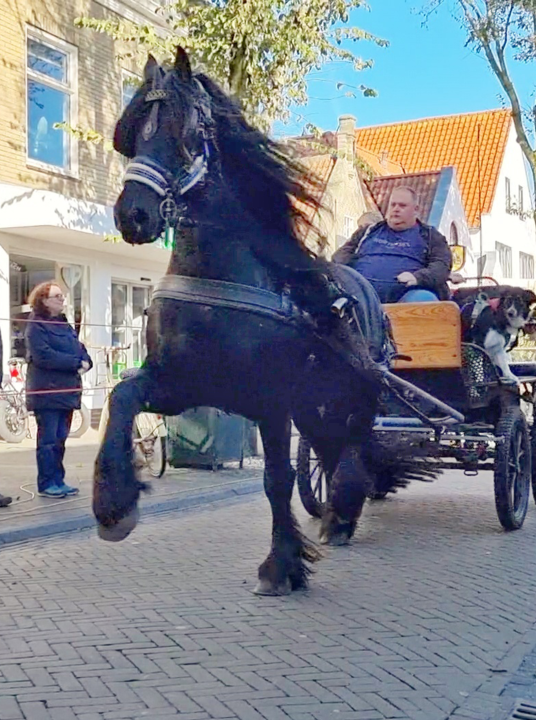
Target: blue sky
{"type": "Point", "coordinates": [425, 71]}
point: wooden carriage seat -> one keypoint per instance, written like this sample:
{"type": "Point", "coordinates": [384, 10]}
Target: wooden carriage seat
{"type": "Point", "coordinates": [430, 333]}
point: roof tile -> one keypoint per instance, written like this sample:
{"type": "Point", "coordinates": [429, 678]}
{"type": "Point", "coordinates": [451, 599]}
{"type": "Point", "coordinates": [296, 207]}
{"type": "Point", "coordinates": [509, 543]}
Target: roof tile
{"type": "Point", "coordinates": [424, 184]}
{"type": "Point", "coordinates": [433, 143]}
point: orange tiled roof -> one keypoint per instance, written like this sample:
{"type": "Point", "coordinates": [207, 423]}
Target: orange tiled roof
{"type": "Point", "coordinates": [433, 143]}
{"type": "Point", "coordinates": [380, 166]}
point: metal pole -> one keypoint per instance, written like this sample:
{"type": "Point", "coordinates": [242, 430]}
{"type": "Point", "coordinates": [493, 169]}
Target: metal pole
{"type": "Point", "coordinates": [480, 267]}
{"type": "Point", "coordinates": [405, 385]}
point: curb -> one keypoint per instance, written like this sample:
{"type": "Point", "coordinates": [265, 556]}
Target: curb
{"type": "Point", "coordinates": [87, 521]}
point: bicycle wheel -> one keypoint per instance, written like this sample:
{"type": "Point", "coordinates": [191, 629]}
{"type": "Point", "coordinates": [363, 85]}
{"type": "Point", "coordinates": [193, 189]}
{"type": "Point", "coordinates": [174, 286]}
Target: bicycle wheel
{"type": "Point", "coordinates": [150, 449]}
{"type": "Point", "coordinates": [80, 422]}
{"type": "Point", "coordinates": [13, 422]}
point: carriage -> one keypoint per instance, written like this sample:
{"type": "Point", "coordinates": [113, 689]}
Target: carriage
{"type": "Point", "coordinates": [447, 397]}
{"type": "Point", "coordinates": [241, 321]}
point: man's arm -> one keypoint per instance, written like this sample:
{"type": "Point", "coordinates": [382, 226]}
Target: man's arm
{"type": "Point", "coordinates": [347, 251]}
{"type": "Point", "coordinates": [437, 271]}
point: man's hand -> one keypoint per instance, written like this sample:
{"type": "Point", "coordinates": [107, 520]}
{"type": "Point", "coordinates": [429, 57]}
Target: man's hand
{"type": "Point", "coordinates": [407, 278]}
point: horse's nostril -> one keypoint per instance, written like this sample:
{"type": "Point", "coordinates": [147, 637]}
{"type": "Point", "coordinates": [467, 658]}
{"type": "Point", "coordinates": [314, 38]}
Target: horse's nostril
{"type": "Point", "coordinates": [139, 216]}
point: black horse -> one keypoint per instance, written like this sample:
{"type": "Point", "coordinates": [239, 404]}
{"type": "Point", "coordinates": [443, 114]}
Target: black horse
{"type": "Point", "coordinates": [222, 329]}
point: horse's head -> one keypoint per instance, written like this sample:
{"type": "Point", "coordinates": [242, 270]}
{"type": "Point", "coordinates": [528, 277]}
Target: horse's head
{"type": "Point", "coordinates": [165, 132]}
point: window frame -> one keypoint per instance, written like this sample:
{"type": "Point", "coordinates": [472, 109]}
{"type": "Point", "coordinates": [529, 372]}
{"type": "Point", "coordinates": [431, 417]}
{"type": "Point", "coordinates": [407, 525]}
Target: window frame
{"type": "Point", "coordinates": [530, 260]}
{"type": "Point", "coordinates": [71, 89]}
{"type": "Point", "coordinates": [508, 256]}
{"type": "Point", "coordinates": [454, 238]}
{"type": "Point", "coordinates": [520, 200]}
{"type": "Point", "coordinates": [508, 194]}
{"type": "Point", "coordinates": [349, 220]}
{"type": "Point", "coordinates": [127, 327]}
{"type": "Point", "coordinates": [124, 75]}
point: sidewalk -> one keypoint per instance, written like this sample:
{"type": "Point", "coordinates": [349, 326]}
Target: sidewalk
{"type": "Point", "coordinates": [31, 516]}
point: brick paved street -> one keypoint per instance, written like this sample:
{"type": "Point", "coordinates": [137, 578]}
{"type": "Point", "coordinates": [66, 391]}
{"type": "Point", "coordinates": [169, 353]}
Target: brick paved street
{"type": "Point", "coordinates": [427, 616]}
{"type": "Point", "coordinates": [34, 516]}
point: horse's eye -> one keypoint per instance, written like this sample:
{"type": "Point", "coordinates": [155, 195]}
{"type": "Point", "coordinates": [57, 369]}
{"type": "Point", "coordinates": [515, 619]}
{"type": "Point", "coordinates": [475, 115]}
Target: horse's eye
{"type": "Point", "coordinates": [147, 130]}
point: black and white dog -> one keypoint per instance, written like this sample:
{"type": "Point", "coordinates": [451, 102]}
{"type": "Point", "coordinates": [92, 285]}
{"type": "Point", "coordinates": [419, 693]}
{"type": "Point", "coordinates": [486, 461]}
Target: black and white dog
{"type": "Point", "coordinates": [493, 317]}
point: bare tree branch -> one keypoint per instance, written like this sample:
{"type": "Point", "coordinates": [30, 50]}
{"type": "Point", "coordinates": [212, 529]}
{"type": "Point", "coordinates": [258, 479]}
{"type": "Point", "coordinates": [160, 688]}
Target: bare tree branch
{"type": "Point", "coordinates": [490, 26]}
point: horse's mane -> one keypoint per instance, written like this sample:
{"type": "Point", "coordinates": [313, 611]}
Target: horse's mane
{"type": "Point", "coordinates": [276, 188]}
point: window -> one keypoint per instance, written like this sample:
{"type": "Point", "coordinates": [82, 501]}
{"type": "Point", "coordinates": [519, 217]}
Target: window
{"type": "Point", "coordinates": [51, 80]}
{"type": "Point", "coordinates": [505, 258]}
{"type": "Point", "coordinates": [508, 194]}
{"type": "Point", "coordinates": [453, 240]}
{"type": "Point", "coordinates": [128, 305]}
{"type": "Point", "coordinates": [349, 225]}
{"type": "Point", "coordinates": [520, 200]}
{"type": "Point", "coordinates": [129, 85]}
{"type": "Point", "coordinates": [526, 266]}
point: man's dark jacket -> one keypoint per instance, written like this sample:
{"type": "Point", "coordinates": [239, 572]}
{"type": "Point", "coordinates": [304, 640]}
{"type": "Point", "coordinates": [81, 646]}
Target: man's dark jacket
{"type": "Point", "coordinates": [438, 257]}
{"type": "Point", "coordinates": [54, 355]}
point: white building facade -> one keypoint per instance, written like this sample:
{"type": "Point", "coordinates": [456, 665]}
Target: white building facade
{"type": "Point", "coordinates": [508, 231]}
{"type": "Point", "coordinates": [57, 192]}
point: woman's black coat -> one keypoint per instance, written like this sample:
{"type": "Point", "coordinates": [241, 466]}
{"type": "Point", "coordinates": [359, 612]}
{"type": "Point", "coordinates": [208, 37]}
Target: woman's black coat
{"type": "Point", "coordinates": [54, 354]}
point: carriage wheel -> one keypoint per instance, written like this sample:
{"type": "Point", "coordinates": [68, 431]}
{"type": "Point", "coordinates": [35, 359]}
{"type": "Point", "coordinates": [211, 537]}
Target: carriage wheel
{"type": "Point", "coordinates": [533, 458]}
{"type": "Point", "coordinates": [313, 485]}
{"type": "Point", "coordinates": [513, 469]}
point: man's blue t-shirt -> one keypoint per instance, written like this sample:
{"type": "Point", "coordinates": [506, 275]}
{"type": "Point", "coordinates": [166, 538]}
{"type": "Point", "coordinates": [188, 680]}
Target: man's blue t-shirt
{"type": "Point", "coordinates": [385, 253]}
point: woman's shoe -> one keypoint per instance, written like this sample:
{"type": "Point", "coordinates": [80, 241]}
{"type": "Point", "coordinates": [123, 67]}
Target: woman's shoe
{"type": "Point", "coordinates": [54, 491]}
{"type": "Point", "coordinates": [69, 490]}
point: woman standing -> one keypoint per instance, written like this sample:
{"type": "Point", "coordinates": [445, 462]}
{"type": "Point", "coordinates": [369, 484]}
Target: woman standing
{"type": "Point", "coordinates": [56, 361]}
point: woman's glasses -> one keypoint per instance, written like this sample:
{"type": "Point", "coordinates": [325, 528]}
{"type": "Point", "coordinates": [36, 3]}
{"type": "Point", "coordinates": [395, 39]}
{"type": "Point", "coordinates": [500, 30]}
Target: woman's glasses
{"type": "Point", "coordinates": [59, 296]}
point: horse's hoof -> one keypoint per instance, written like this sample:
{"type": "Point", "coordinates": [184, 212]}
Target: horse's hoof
{"type": "Point", "coordinates": [121, 529]}
{"type": "Point", "coordinates": [266, 588]}
{"type": "Point", "coordinates": [336, 540]}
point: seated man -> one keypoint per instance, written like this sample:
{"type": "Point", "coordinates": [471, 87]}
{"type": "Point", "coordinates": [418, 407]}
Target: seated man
{"type": "Point", "coordinates": [404, 259]}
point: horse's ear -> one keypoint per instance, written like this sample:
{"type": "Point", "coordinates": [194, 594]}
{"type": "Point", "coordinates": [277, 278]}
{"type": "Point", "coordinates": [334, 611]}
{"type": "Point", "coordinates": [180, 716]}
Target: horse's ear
{"type": "Point", "coordinates": [124, 139]}
{"type": "Point", "coordinates": [150, 68]}
{"type": "Point", "coordinates": [182, 64]}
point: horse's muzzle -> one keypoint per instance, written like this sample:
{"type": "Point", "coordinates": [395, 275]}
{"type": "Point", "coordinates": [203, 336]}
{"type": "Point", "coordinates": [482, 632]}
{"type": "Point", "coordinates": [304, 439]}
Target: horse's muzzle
{"type": "Point", "coordinates": [121, 529]}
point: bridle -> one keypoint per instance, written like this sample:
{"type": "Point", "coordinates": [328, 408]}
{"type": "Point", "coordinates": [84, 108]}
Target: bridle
{"type": "Point", "coordinates": [171, 187]}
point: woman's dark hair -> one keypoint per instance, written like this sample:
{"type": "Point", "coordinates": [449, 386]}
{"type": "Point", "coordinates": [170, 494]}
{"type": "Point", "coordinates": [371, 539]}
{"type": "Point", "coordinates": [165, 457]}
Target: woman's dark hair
{"type": "Point", "coordinates": [39, 294]}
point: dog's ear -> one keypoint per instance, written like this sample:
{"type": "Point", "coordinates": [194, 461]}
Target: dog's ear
{"type": "Point", "coordinates": [529, 297]}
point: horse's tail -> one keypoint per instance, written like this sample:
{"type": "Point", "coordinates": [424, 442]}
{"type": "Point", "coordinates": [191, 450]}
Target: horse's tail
{"type": "Point", "coordinates": [394, 462]}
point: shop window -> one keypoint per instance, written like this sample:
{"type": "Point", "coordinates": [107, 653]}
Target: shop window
{"type": "Point", "coordinates": [128, 324]}
{"type": "Point", "coordinates": [24, 274]}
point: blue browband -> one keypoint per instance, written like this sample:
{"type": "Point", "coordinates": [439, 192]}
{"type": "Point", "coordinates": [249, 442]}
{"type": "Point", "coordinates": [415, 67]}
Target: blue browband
{"type": "Point", "coordinates": [148, 172]}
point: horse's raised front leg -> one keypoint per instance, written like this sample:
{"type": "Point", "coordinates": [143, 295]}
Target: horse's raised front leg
{"type": "Point", "coordinates": [350, 486]}
{"type": "Point", "coordinates": [285, 568]}
{"type": "Point", "coordinates": [116, 488]}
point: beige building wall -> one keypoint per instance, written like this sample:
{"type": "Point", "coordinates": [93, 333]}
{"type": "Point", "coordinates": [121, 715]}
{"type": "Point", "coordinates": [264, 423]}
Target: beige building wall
{"type": "Point", "coordinates": [98, 96]}
{"type": "Point", "coordinates": [344, 194]}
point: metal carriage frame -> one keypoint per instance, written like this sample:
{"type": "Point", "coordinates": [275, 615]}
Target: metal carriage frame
{"type": "Point", "coordinates": [483, 426]}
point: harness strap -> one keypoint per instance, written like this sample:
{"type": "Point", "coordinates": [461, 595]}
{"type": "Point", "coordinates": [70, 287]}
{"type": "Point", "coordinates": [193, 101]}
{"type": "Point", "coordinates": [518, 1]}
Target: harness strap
{"type": "Point", "coordinates": [220, 293]}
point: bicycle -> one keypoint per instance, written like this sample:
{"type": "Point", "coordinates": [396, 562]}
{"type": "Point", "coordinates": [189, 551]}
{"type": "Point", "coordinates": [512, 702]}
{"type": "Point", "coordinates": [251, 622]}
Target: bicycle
{"type": "Point", "coordinates": [149, 430]}
{"type": "Point", "coordinates": [14, 420]}
{"type": "Point", "coordinates": [14, 416]}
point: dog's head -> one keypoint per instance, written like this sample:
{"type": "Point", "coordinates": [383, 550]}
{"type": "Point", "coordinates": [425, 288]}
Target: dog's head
{"type": "Point", "coordinates": [516, 304]}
